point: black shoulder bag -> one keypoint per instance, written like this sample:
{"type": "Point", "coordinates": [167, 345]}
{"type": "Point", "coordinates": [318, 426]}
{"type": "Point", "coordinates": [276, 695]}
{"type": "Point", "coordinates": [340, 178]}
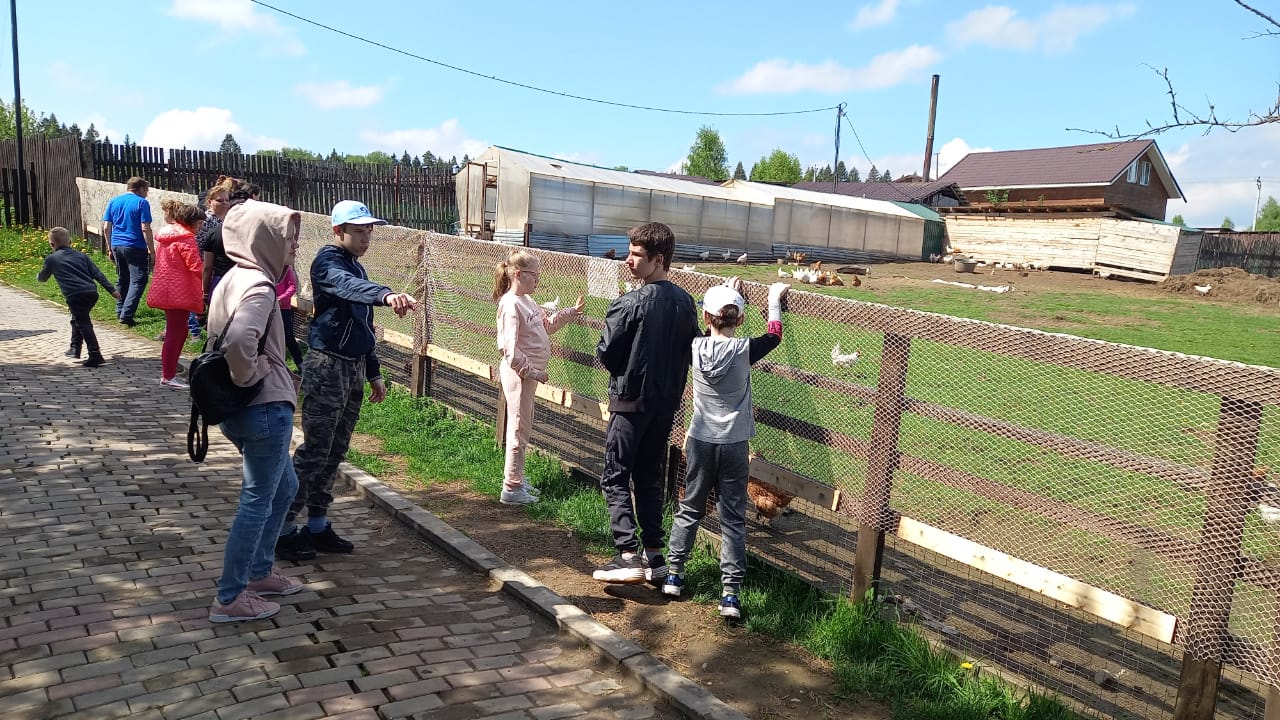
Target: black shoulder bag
{"type": "Point", "coordinates": [214, 397]}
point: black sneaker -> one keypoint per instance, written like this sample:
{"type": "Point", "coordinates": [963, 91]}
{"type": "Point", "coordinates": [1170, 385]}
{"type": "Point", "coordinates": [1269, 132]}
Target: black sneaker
{"type": "Point", "coordinates": [656, 571]}
{"type": "Point", "coordinates": [73, 352]}
{"type": "Point", "coordinates": [295, 547]}
{"type": "Point", "coordinates": [622, 570]}
{"type": "Point", "coordinates": [128, 322]}
{"type": "Point", "coordinates": [94, 361]}
{"type": "Point", "coordinates": [328, 541]}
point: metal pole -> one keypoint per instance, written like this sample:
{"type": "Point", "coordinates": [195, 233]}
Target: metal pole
{"type": "Point", "coordinates": [835, 179]}
{"type": "Point", "coordinates": [928, 142]}
{"type": "Point", "coordinates": [1257, 205]}
{"type": "Point", "coordinates": [17, 120]}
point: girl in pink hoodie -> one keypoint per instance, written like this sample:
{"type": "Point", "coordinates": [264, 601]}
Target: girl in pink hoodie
{"type": "Point", "coordinates": [175, 286]}
{"type": "Point", "coordinates": [524, 329]}
{"type": "Point", "coordinates": [286, 289]}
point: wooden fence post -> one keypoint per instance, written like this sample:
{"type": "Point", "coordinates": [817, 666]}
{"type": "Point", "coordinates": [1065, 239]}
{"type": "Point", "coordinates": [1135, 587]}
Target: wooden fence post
{"type": "Point", "coordinates": [874, 513]}
{"type": "Point", "coordinates": [420, 369]}
{"type": "Point", "coordinates": [1228, 501]}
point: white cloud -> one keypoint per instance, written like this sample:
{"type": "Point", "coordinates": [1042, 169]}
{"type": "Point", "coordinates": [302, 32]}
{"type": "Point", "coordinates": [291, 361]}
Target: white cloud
{"type": "Point", "coordinates": [1218, 174]}
{"type": "Point", "coordinates": [677, 166]}
{"type": "Point", "coordinates": [446, 140]}
{"type": "Point", "coordinates": [953, 151]}
{"type": "Point", "coordinates": [99, 123]}
{"type": "Point", "coordinates": [202, 129]}
{"type": "Point", "coordinates": [778, 76]}
{"type": "Point", "coordinates": [1056, 31]}
{"type": "Point", "coordinates": [882, 13]}
{"type": "Point", "coordinates": [238, 17]}
{"type": "Point", "coordinates": [339, 94]}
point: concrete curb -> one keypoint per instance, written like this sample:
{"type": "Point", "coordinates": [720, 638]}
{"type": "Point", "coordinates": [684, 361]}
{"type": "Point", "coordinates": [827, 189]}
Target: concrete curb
{"type": "Point", "coordinates": [691, 699]}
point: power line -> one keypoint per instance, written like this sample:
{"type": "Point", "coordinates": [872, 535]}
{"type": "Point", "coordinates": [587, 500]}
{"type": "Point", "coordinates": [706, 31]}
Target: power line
{"type": "Point", "coordinates": [865, 154]}
{"type": "Point", "coordinates": [527, 86]}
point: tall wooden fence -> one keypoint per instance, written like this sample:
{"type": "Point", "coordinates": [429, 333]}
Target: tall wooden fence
{"type": "Point", "coordinates": [52, 167]}
{"type": "Point", "coordinates": [422, 198]}
{"type": "Point", "coordinates": [1257, 252]}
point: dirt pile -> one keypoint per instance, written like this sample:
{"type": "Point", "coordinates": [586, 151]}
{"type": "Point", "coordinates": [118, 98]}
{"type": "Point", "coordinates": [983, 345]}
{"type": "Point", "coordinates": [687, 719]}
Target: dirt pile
{"type": "Point", "coordinates": [1227, 283]}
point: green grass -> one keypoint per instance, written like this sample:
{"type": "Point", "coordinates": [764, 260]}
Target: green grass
{"type": "Point", "coordinates": [21, 257]}
{"type": "Point", "coordinates": [872, 655]}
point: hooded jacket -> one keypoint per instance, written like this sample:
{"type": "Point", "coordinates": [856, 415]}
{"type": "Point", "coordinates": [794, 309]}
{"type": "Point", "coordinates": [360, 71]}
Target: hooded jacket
{"type": "Point", "coordinates": [176, 283]}
{"type": "Point", "coordinates": [722, 412]}
{"type": "Point", "coordinates": [645, 347]}
{"type": "Point", "coordinates": [344, 299]}
{"type": "Point", "coordinates": [256, 237]}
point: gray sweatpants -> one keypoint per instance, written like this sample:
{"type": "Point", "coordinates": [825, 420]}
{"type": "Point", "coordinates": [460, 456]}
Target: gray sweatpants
{"type": "Point", "coordinates": [725, 468]}
{"type": "Point", "coordinates": [332, 391]}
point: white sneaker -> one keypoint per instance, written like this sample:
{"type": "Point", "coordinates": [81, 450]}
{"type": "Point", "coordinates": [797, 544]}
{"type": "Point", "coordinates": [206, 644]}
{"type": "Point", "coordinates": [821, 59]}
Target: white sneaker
{"type": "Point", "coordinates": [529, 488]}
{"type": "Point", "coordinates": [174, 382]}
{"type": "Point", "coordinates": [519, 496]}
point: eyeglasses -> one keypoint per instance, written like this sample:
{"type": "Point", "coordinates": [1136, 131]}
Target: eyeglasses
{"type": "Point", "coordinates": [534, 273]}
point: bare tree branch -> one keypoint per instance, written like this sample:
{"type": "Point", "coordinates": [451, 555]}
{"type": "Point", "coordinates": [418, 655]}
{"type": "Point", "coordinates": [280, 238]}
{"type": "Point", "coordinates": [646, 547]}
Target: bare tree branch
{"type": "Point", "coordinates": [1183, 117]}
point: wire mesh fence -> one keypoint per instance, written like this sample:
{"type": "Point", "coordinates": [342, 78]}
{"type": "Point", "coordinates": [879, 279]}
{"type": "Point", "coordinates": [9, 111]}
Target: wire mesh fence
{"type": "Point", "coordinates": [1089, 517]}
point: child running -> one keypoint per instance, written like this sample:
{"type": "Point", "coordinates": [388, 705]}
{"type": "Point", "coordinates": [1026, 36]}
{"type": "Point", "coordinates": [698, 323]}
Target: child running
{"type": "Point", "coordinates": [78, 278]}
{"type": "Point", "coordinates": [716, 450]}
{"type": "Point", "coordinates": [524, 329]}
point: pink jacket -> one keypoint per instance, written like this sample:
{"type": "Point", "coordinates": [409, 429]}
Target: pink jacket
{"type": "Point", "coordinates": [176, 282]}
{"type": "Point", "coordinates": [287, 288]}
{"type": "Point", "coordinates": [524, 330]}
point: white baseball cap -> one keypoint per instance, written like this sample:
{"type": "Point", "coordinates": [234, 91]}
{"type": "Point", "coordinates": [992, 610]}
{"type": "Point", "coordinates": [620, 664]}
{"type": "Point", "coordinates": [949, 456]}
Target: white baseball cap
{"type": "Point", "coordinates": [721, 296]}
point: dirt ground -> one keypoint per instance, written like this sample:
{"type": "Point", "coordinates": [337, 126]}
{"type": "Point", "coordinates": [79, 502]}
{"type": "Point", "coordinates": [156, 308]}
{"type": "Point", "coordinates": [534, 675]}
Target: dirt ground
{"type": "Point", "coordinates": [779, 682]}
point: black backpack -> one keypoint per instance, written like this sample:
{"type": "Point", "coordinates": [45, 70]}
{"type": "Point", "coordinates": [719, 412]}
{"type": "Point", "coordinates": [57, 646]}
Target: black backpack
{"type": "Point", "coordinates": [214, 397]}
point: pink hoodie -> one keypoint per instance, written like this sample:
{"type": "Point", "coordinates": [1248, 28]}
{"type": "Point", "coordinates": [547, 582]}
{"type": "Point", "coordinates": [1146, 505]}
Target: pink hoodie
{"type": "Point", "coordinates": [524, 330]}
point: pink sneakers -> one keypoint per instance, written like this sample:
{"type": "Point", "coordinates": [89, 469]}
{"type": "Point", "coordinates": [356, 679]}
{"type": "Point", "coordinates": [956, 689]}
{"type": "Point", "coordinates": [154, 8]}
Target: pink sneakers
{"type": "Point", "coordinates": [248, 605]}
{"type": "Point", "coordinates": [274, 584]}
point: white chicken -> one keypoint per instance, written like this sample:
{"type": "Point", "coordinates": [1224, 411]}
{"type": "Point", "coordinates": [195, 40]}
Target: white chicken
{"type": "Point", "coordinates": [552, 306]}
{"type": "Point", "coordinates": [742, 259]}
{"type": "Point", "coordinates": [689, 268]}
{"type": "Point", "coordinates": [705, 255]}
{"type": "Point", "coordinates": [806, 276]}
{"type": "Point", "coordinates": [840, 359]}
{"type": "Point", "coordinates": [783, 273]}
{"type": "Point", "coordinates": [1203, 289]}
{"type": "Point", "coordinates": [727, 254]}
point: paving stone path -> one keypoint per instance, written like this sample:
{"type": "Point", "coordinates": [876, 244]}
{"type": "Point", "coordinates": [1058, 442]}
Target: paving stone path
{"type": "Point", "coordinates": [111, 542]}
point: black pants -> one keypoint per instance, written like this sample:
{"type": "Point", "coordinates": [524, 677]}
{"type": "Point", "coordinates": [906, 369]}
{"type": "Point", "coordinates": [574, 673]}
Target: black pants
{"type": "Point", "coordinates": [635, 448]}
{"type": "Point", "coordinates": [81, 324]}
{"type": "Point", "coordinates": [291, 342]}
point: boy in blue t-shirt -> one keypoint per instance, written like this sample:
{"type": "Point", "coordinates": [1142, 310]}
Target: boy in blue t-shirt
{"type": "Point", "coordinates": [126, 228]}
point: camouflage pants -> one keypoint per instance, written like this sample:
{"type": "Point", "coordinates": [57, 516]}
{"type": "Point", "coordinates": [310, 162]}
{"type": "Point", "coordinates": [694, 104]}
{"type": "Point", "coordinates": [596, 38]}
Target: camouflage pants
{"type": "Point", "coordinates": [332, 390]}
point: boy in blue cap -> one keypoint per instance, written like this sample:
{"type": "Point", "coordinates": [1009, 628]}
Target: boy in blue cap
{"type": "Point", "coordinates": [341, 359]}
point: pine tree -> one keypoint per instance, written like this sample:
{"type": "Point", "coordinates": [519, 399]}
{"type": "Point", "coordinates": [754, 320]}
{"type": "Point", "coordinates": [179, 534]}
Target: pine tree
{"type": "Point", "coordinates": [886, 176]}
{"type": "Point", "coordinates": [825, 175]}
{"type": "Point", "coordinates": [334, 156]}
{"type": "Point", "coordinates": [873, 175]}
{"type": "Point", "coordinates": [739, 173]}
{"type": "Point", "coordinates": [405, 159]}
{"type": "Point", "coordinates": [842, 173]}
{"type": "Point", "coordinates": [229, 145]}
{"type": "Point", "coordinates": [91, 135]}
{"type": "Point", "coordinates": [853, 175]}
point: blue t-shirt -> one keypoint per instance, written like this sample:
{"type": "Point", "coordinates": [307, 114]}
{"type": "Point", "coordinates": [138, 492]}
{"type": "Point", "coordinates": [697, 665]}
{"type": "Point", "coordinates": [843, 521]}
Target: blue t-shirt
{"type": "Point", "coordinates": [126, 213]}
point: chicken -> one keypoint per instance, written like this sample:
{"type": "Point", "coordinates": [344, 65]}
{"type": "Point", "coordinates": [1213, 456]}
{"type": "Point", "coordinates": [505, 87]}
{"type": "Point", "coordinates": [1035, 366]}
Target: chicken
{"type": "Point", "coordinates": [840, 359]}
{"type": "Point", "coordinates": [705, 255]}
{"type": "Point", "coordinates": [783, 273]}
{"type": "Point", "coordinates": [780, 260]}
{"type": "Point", "coordinates": [1102, 273]}
{"type": "Point", "coordinates": [808, 277]}
{"type": "Point", "coordinates": [857, 281]}
{"type": "Point", "coordinates": [552, 306]}
{"type": "Point", "coordinates": [611, 254]}
{"type": "Point", "coordinates": [826, 278]}
{"type": "Point", "coordinates": [689, 268]}
{"type": "Point", "coordinates": [1203, 289]}
{"type": "Point", "coordinates": [742, 259]}
{"type": "Point", "coordinates": [769, 499]}
{"type": "Point", "coordinates": [727, 255]}
{"type": "Point", "coordinates": [1270, 514]}
{"type": "Point", "coordinates": [816, 266]}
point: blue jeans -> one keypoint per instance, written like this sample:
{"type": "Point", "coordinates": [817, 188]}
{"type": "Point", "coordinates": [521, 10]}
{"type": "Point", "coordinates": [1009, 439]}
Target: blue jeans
{"type": "Point", "coordinates": [261, 433]}
{"type": "Point", "coordinates": [132, 272]}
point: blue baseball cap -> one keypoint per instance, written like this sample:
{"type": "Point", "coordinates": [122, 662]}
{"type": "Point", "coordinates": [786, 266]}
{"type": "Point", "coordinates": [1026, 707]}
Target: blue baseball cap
{"type": "Point", "coordinates": [356, 213]}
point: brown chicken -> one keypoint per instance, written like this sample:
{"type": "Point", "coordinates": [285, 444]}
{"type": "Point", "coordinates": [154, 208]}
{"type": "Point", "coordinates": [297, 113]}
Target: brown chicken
{"type": "Point", "coordinates": [769, 499]}
{"type": "Point", "coordinates": [611, 254]}
{"type": "Point", "coordinates": [857, 281]}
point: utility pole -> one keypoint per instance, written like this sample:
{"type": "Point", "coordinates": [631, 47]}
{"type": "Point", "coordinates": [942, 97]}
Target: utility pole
{"type": "Point", "coordinates": [17, 120]}
{"type": "Point", "coordinates": [835, 182]}
{"type": "Point", "coordinates": [1257, 205]}
{"type": "Point", "coordinates": [928, 142]}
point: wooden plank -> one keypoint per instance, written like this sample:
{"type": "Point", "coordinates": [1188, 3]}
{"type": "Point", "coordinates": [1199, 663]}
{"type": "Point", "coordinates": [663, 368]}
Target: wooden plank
{"type": "Point", "coordinates": [462, 362]}
{"type": "Point", "coordinates": [820, 494]}
{"type": "Point", "coordinates": [1102, 603]}
{"type": "Point", "coordinates": [398, 339]}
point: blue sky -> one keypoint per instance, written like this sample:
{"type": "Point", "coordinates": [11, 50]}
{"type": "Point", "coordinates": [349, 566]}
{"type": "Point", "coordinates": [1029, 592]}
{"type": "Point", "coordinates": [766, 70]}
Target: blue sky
{"type": "Point", "coordinates": [1013, 75]}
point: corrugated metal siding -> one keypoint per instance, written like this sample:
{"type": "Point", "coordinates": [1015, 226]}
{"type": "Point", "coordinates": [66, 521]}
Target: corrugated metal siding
{"type": "Point", "coordinates": [576, 244]}
{"type": "Point", "coordinates": [832, 255]}
{"type": "Point", "coordinates": [598, 245]}
{"type": "Point", "coordinates": [509, 237]}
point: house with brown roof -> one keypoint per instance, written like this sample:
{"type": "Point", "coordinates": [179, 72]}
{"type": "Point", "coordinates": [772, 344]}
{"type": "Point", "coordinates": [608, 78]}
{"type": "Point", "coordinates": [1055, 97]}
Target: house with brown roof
{"type": "Point", "coordinates": [1119, 179]}
{"type": "Point", "coordinates": [934, 194]}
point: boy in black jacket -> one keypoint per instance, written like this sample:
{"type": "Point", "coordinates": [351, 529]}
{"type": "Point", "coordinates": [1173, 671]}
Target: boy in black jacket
{"type": "Point", "coordinates": [646, 347]}
{"type": "Point", "coordinates": [76, 275]}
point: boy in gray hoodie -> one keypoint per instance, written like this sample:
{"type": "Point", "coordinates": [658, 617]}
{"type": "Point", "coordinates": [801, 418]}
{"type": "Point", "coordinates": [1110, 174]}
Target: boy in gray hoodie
{"type": "Point", "coordinates": [716, 450]}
